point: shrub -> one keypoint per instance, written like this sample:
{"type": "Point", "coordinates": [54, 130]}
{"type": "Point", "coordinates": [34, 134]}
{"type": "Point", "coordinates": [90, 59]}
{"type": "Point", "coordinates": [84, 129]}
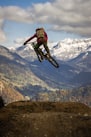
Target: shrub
{"type": "Point", "coordinates": [1, 102]}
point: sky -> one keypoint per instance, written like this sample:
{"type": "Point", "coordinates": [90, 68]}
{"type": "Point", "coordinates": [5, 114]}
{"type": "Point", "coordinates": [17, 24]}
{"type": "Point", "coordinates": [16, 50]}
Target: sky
{"type": "Point", "coordinates": [61, 19]}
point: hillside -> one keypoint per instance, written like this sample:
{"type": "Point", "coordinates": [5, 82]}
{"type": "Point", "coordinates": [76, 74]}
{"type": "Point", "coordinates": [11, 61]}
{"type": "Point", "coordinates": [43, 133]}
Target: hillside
{"type": "Point", "coordinates": [8, 93]}
{"type": "Point", "coordinates": [17, 71]}
{"type": "Point", "coordinates": [45, 119]}
{"type": "Point", "coordinates": [81, 94]}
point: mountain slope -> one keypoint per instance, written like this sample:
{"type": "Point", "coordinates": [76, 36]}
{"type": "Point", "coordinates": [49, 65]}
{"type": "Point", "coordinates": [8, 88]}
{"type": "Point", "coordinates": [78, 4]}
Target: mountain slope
{"type": "Point", "coordinates": [57, 78]}
{"type": "Point", "coordinates": [73, 57]}
{"type": "Point", "coordinates": [18, 72]}
{"type": "Point", "coordinates": [8, 93]}
{"type": "Point", "coordinates": [83, 62]}
{"type": "Point", "coordinates": [22, 69]}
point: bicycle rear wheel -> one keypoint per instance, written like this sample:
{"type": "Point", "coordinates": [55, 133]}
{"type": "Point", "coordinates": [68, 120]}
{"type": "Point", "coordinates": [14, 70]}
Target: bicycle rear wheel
{"type": "Point", "coordinates": [38, 55]}
{"type": "Point", "coordinates": [53, 61]}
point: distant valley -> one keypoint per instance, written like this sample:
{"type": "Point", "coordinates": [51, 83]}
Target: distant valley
{"type": "Point", "coordinates": [21, 68]}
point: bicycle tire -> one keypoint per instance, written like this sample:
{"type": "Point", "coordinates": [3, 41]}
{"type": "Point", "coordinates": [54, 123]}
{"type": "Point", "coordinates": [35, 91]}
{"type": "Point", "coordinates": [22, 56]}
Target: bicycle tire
{"type": "Point", "coordinates": [39, 58]}
{"type": "Point", "coordinates": [53, 61]}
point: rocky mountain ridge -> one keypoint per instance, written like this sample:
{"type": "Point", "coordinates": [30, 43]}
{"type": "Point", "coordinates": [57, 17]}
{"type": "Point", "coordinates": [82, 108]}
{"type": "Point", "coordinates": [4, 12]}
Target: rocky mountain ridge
{"type": "Point", "coordinates": [71, 48]}
{"type": "Point", "coordinates": [8, 93]}
{"type": "Point", "coordinates": [17, 71]}
{"type": "Point", "coordinates": [78, 61]}
{"type": "Point", "coordinates": [30, 77]}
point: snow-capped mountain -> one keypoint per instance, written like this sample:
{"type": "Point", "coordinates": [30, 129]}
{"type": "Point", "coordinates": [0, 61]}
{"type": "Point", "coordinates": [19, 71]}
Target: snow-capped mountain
{"type": "Point", "coordinates": [20, 67]}
{"type": "Point", "coordinates": [63, 50]}
{"type": "Point", "coordinates": [69, 48]}
{"type": "Point", "coordinates": [73, 56]}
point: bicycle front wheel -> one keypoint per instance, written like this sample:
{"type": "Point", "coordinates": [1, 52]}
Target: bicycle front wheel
{"type": "Point", "coordinates": [53, 61]}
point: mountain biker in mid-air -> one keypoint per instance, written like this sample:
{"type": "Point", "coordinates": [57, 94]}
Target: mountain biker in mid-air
{"type": "Point", "coordinates": [42, 39]}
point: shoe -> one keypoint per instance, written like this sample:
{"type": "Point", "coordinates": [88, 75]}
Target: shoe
{"type": "Point", "coordinates": [48, 54]}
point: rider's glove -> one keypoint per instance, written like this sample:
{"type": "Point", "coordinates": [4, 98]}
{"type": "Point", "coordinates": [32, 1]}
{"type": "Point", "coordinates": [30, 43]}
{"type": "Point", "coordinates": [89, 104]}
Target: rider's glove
{"type": "Point", "coordinates": [25, 43]}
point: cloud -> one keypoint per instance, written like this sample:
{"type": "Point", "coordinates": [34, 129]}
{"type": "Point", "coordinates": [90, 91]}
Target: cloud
{"type": "Point", "coordinates": [13, 13]}
{"type": "Point", "coordinates": [16, 14]}
{"type": "Point", "coordinates": [66, 15]}
{"type": "Point", "coordinates": [2, 34]}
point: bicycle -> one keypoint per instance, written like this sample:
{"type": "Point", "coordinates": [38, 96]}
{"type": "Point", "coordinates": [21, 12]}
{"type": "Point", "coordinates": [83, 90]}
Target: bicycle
{"type": "Point", "coordinates": [41, 56]}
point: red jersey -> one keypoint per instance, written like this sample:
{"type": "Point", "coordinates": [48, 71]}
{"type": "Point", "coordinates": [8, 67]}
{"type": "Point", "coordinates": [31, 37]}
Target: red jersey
{"type": "Point", "coordinates": [39, 40]}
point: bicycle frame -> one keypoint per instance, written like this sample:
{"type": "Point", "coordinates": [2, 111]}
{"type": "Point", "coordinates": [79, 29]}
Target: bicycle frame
{"type": "Point", "coordinates": [41, 55]}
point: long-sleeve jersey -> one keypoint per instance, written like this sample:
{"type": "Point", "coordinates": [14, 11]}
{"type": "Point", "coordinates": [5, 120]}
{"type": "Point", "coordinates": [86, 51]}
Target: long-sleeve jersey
{"type": "Point", "coordinates": [38, 39]}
